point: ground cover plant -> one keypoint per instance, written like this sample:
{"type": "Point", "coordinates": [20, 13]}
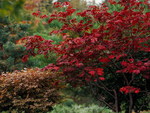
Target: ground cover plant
{"type": "Point", "coordinates": [107, 50]}
{"type": "Point", "coordinates": [69, 106]}
{"type": "Point", "coordinates": [30, 90]}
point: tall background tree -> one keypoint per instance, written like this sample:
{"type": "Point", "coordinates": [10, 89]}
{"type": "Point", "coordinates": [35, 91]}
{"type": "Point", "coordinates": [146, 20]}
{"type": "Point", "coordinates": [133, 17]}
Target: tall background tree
{"type": "Point", "coordinates": [11, 8]}
{"type": "Point", "coordinates": [11, 53]}
{"type": "Point", "coordinates": [79, 4]}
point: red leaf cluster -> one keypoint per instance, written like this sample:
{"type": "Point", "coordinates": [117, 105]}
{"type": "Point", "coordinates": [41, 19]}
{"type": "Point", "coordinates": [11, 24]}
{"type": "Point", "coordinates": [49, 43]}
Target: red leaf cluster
{"type": "Point", "coordinates": [88, 52]}
{"type": "Point", "coordinates": [37, 13]}
{"type": "Point", "coordinates": [129, 89]}
{"type": "Point", "coordinates": [36, 45]}
{"type": "Point", "coordinates": [131, 66]}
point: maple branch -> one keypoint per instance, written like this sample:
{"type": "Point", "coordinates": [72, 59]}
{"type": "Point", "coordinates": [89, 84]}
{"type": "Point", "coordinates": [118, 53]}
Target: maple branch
{"type": "Point", "coordinates": [100, 99]}
{"type": "Point", "coordinates": [132, 79]}
{"type": "Point", "coordinates": [116, 102]}
{"type": "Point", "coordinates": [105, 88]}
{"type": "Point", "coordinates": [106, 104]}
{"type": "Point", "coordinates": [126, 80]}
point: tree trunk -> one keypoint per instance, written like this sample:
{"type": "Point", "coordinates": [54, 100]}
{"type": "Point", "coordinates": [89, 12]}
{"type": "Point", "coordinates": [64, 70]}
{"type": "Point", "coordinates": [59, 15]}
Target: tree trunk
{"type": "Point", "coordinates": [116, 102]}
{"type": "Point", "coordinates": [129, 109]}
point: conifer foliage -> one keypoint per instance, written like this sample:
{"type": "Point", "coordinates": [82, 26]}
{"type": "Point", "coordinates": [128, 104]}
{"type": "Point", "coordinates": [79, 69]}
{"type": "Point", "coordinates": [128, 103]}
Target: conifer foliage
{"type": "Point", "coordinates": [10, 52]}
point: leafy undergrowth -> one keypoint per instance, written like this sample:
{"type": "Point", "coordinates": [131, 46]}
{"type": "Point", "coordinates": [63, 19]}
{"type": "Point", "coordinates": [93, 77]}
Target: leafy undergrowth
{"type": "Point", "coordinates": [71, 107]}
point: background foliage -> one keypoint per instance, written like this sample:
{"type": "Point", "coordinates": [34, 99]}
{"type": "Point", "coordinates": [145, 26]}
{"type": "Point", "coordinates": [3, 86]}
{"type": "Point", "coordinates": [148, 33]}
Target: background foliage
{"type": "Point", "coordinates": [11, 53]}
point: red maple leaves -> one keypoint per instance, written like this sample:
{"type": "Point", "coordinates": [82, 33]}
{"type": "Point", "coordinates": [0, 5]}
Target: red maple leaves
{"type": "Point", "coordinates": [118, 45]}
{"type": "Point", "coordinates": [129, 89]}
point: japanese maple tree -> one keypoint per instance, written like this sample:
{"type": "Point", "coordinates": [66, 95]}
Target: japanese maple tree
{"type": "Point", "coordinates": [105, 50]}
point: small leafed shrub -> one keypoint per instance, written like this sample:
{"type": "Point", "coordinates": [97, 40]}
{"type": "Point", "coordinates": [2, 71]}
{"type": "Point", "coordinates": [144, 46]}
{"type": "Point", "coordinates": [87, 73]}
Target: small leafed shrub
{"type": "Point", "coordinates": [75, 108]}
{"type": "Point", "coordinates": [29, 90]}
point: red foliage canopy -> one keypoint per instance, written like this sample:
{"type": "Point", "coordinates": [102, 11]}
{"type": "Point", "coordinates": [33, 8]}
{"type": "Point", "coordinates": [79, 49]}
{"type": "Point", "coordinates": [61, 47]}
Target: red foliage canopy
{"type": "Point", "coordinates": [89, 54]}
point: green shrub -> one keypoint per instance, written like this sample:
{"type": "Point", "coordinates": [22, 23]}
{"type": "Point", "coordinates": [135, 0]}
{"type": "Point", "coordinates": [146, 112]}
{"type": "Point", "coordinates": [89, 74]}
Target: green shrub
{"type": "Point", "coordinates": [11, 53]}
{"type": "Point", "coordinates": [40, 61]}
{"type": "Point", "coordinates": [71, 107]}
{"type": "Point", "coordinates": [80, 95]}
{"type": "Point", "coordinates": [29, 90]}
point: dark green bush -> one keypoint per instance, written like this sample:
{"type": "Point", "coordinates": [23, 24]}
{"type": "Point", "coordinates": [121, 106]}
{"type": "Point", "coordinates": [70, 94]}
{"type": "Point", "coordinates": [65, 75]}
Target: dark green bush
{"type": "Point", "coordinates": [11, 53]}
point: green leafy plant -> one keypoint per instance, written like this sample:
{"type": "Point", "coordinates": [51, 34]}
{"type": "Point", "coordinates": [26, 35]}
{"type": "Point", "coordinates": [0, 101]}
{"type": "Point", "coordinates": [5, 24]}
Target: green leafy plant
{"type": "Point", "coordinates": [70, 107]}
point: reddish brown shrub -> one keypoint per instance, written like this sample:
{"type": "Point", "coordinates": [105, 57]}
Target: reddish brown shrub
{"type": "Point", "coordinates": [30, 90]}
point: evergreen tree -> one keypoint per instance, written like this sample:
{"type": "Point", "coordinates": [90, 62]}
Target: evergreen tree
{"type": "Point", "coordinates": [11, 8]}
{"type": "Point", "coordinates": [11, 53]}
